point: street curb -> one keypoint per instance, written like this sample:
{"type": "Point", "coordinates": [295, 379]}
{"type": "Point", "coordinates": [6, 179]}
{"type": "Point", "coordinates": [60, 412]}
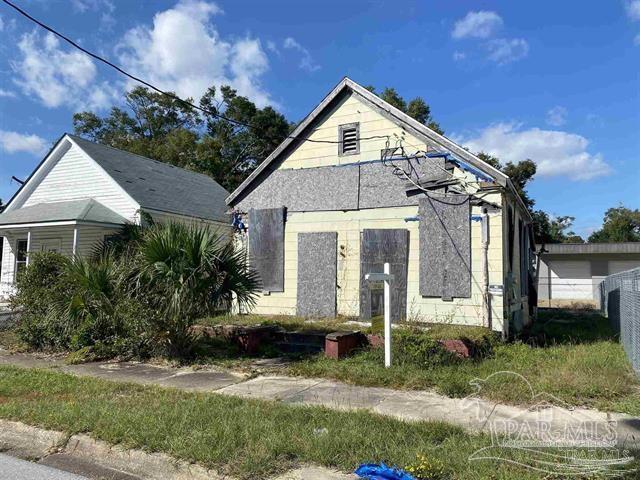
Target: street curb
{"type": "Point", "coordinates": [27, 442]}
{"type": "Point", "coordinates": [32, 443]}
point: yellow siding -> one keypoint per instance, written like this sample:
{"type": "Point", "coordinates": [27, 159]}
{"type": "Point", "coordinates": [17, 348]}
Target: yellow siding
{"type": "Point", "coordinates": [349, 224]}
{"type": "Point", "coordinates": [371, 124]}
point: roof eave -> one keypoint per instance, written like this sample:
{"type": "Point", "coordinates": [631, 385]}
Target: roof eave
{"type": "Point", "coordinates": [400, 116]}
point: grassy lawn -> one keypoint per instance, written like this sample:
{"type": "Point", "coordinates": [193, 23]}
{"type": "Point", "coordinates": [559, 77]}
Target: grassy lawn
{"type": "Point", "coordinates": [246, 438]}
{"type": "Point", "coordinates": [571, 355]}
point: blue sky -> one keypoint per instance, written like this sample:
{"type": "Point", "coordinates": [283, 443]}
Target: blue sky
{"type": "Point", "coordinates": [557, 82]}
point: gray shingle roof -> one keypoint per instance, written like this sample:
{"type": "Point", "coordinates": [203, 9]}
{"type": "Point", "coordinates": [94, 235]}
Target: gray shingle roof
{"type": "Point", "coordinates": [160, 186]}
{"type": "Point", "coordinates": [87, 210]}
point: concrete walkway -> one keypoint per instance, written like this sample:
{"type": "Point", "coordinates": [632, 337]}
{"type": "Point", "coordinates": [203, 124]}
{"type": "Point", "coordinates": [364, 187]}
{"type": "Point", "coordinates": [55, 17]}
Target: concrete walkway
{"type": "Point", "coordinates": [472, 413]}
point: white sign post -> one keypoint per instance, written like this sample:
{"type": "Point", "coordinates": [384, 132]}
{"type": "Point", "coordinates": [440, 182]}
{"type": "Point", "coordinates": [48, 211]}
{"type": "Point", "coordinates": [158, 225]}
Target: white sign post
{"type": "Point", "coordinates": [385, 277]}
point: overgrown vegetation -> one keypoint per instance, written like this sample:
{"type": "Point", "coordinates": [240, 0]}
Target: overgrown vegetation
{"type": "Point", "coordinates": [573, 356]}
{"type": "Point", "coordinates": [132, 301]}
{"type": "Point", "coordinates": [267, 437]}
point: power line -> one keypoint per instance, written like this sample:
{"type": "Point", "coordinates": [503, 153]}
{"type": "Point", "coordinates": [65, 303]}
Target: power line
{"type": "Point", "coordinates": [159, 90]}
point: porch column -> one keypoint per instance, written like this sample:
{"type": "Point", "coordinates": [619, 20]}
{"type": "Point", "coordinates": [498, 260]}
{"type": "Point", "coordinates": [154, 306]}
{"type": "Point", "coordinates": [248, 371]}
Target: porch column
{"type": "Point", "coordinates": [28, 246]}
{"type": "Point", "coordinates": [75, 240]}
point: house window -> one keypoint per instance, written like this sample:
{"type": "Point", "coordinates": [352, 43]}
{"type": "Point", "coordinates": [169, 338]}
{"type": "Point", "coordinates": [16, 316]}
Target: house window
{"type": "Point", "coordinates": [1, 254]}
{"type": "Point", "coordinates": [21, 255]}
{"type": "Point", "coordinates": [348, 135]}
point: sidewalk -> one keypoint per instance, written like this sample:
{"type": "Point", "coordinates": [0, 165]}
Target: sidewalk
{"type": "Point", "coordinates": [473, 414]}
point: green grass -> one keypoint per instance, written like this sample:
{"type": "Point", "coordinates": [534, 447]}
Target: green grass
{"type": "Point", "coordinates": [576, 359]}
{"type": "Point", "coordinates": [246, 438]}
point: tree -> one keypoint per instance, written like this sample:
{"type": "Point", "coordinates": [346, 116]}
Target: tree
{"type": "Point", "coordinates": [621, 224]}
{"type": "Point", "coordinates": [416, 108]}
{"type": "Point", "coordinates": [172, 131]}
{"type": "Point", "coordinates": [520, 173]}
{"type": "Point", "coordinates": [553, 230]}
{"type": "Point", "coordinates": [545, 228]}
{"type": "Point", "coordinates": [155, 126]}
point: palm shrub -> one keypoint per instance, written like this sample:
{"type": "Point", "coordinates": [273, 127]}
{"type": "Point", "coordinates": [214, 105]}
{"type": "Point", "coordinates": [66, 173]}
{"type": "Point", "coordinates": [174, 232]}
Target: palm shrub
{"type": "Point", "coordinates": [100, 313]}
{"type": "Point", "coordinates": [185, 272]}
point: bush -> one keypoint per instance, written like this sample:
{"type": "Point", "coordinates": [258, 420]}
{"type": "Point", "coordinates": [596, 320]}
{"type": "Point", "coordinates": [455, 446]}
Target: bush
{"type": "Point", "coordinates": [76, 304]}
{"type": "Point", "coordinates": [417, 347]}
{"type": "Point", "coordinates": [39, 287]}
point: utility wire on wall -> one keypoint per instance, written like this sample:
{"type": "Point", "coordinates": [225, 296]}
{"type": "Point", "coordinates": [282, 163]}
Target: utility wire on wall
{"type": "Point", "coordinates": [159, 90]}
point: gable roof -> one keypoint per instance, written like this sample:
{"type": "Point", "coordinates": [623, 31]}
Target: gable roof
{"type": "Point", "coordinates": [159, 186]}
{"type": "Point", "coordinates": [87, 210]}
{"type": "Point", "coordinates": [395, 115]}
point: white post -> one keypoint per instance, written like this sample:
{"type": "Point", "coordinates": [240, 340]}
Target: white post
{"type": "Point", "coordinates": [387, 317]}
{"type": "Point", "coordinates": [75, 240]}
{"type": "Point", "coordinates": [28, 246]}
{"type": "Point", "coordinates": [387, 278]}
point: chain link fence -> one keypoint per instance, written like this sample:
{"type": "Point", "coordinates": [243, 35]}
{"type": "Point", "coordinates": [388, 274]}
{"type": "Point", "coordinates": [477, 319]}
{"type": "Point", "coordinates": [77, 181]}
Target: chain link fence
{"type": "Point", "coordinates": [620, 302]}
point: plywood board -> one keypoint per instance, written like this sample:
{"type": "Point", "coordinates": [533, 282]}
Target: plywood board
{"type": "Point", "coordinates": [317, 271]}
{"type": "Point", "coordinates": [445, 246]}
{"type": "Point", "coordinates": [266, 246]}
{"type": "Point", "coordinates": [377, 247]}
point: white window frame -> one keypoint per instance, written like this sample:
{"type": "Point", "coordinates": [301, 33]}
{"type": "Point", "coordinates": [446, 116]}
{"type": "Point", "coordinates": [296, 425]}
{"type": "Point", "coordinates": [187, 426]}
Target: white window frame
{"type": "Point", "coordinates": [17, 254]}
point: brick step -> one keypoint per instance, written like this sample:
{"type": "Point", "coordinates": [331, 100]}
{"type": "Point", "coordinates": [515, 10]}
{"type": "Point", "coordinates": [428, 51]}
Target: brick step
{"type": "Point", "coordinates": [304, 348]}
{"type": "Point", "coordinates": [311, 338]}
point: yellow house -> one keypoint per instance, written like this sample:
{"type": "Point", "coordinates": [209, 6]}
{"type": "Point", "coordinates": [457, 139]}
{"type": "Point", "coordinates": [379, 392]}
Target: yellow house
{"type": "Point", "coordinates": [358, 184]}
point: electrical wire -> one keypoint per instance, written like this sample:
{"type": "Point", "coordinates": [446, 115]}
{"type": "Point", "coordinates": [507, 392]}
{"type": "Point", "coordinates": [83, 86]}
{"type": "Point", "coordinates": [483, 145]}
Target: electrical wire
{"type": "Point", "coordinates": [159, 90]}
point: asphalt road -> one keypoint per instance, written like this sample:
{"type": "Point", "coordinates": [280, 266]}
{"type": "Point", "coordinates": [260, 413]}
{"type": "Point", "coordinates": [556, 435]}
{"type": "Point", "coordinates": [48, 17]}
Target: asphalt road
{"type": "Point", "coordinates": [16, 469]}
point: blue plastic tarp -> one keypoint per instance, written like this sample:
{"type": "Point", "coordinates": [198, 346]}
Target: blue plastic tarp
{"type": "Point", "coordinates": [371, 471]}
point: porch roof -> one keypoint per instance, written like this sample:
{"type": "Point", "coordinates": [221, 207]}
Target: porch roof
{"type": "Point", "coordinates": [87, 210]}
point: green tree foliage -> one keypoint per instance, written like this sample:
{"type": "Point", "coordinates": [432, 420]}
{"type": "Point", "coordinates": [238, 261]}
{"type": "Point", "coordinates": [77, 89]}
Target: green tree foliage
{"type": "Point", "coordinates": [171, 131]}
{"type": "Point", "coordinates": [546, 229]}
{"type": "Point", "coordinates": [416, 108]}
{"type": "Point", "coordinates": [621, 224]}
{"type": "Point", "coordinates": [554, 230]}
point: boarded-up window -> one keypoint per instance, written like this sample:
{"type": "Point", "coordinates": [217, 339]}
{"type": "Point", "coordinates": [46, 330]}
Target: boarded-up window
{"type": "Point", "coordinates": [445, 247]}
{"type": "Point", "coordinates": [317, 270]}
{"type": "Point", "coordinates": [377, 247]}
{"type": "Point", "coordinates": [266, 247]}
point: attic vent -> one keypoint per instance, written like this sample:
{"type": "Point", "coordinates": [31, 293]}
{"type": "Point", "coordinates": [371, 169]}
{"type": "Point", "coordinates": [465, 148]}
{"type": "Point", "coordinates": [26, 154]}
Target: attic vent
{"type": "Point", "coordinates": [349, 139]}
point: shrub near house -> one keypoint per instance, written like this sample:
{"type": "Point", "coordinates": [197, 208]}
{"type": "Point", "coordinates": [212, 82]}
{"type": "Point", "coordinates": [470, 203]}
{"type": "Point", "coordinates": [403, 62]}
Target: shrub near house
{"type": "Point", "coordinates": [139, 302]}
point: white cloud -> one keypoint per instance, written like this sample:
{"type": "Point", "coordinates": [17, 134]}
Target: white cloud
{"type": "Point", "coordinates": [57, 77]}
{"type": "Point", "coordinates": [306, 63]}
{"type": "Point", "coordinates": [506, 50]}
{"type": "Point", "coordinates": [633, 9]}
{"type": "Point", "coordinates": [482, 24]}
{"type": "Point", "coordinates": [556, 153]}
{"type": "Point", "coordinates": [7, 93]}
{"type": "Point", "coordinates": [557, 116]}
{"type": "Point", "coordinates": [13, 142]}
{"type": "Point", "coordinates": [183, 52]}
{"type": "Point", "coordinates": [459, 56]}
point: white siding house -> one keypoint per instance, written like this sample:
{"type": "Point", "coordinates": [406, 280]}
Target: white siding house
{"type": "Point", "coordinates": [571, 273]}
{"type": "Point", "coordinates": [82, 192]}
